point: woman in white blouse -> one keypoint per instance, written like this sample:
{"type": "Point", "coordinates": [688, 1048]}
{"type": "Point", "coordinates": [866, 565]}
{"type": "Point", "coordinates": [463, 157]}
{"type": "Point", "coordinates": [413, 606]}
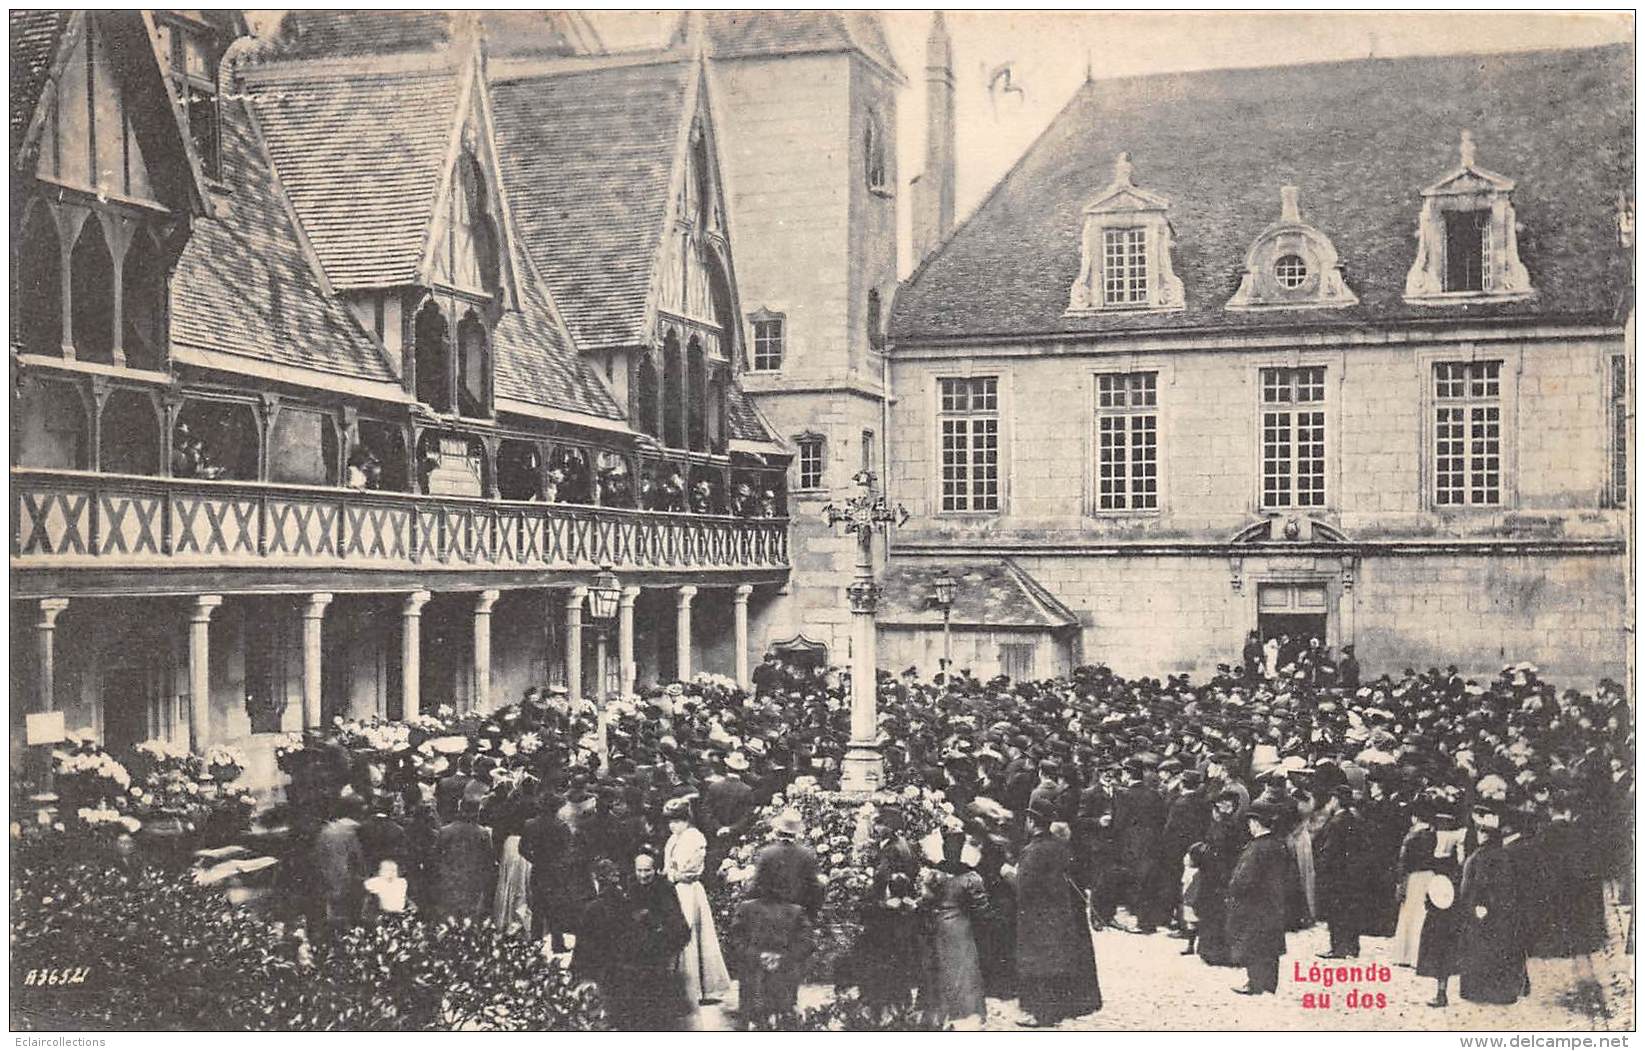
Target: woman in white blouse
{"type": "Point", "coordinates": [701, 962]}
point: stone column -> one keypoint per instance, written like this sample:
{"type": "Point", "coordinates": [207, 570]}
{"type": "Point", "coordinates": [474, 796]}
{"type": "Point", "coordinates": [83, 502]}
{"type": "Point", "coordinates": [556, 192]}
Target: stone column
{"type": "Point", "coordinates": [313, 619]}
{"type": "Point", "coordinates": [601, 655]}
{"type": "Point", "coordinates": [862, 770]}
{"type": "Point", "coordinates": [482, 649]}
{"type": "Point", "coordinates": [574, 642]}
{"type": "Point", "coordinates": [682, 632]}
{"type": "Point", "coordinates": [411, 653]}
{"type": "Point", "coordinates": [739, 620]}
{"type": "Point", "coordinates": [199, 670]}
{"type": "Point", "coordinates": [45, 632]}
{"type": "Point", "coordinates": [625, 641]}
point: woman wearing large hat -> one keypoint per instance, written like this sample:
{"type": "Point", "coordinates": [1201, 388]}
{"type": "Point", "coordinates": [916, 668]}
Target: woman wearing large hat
{"type": "Point", "coordinates": [701, 962]}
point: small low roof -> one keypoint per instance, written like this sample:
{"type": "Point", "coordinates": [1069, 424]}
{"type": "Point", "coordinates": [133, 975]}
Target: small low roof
{"type": "Point", "coordinates": [989, 593]}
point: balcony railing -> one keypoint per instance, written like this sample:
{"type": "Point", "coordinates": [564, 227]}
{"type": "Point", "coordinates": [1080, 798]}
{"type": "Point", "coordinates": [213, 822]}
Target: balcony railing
{"type": "Point", "coordinates": [62, 518]}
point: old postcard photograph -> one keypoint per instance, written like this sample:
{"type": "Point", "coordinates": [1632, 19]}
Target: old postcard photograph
{"type": "Point", "coordinates": [822, 521]}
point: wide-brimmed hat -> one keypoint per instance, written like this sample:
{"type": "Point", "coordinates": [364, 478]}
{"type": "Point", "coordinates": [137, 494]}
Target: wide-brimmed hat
{"type": "Point", "coordinates": [788, 823]}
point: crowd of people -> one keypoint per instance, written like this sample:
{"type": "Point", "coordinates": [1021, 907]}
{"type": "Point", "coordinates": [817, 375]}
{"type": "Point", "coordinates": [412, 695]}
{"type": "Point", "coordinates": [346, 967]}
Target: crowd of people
{"type": "Point", "coordinates": [1473, 823]}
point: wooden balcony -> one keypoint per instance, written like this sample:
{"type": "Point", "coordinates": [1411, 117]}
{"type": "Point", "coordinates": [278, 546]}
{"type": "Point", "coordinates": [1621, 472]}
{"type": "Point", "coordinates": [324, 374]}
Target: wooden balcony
{"type": "Point", "coordinates": [128, 527]}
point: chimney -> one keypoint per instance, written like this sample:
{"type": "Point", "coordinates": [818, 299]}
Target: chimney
{"type": "Point", "coordinates": [934, 188]}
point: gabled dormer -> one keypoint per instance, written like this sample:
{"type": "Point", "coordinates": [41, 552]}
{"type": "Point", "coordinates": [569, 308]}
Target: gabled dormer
{"type": "Point", "coordinates": [106, 182]}
{"type": "Point", "coordinates": [693, 307]}
{"type": "Point", "coordinates": [1467, 240]}
{"type": "Point", "coordinates": [1291, 265]}
{"type": "Point", "coordinates": [1125, 250]}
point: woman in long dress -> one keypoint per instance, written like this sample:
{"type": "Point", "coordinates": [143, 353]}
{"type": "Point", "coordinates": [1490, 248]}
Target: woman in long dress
{"type": "Point", "coordinates": [1416, 872]}
{"type": "Point", "coordinates": [701, 962]}
{"type": "Point", "coordinates": [512, 905]}
{"type": "Point", "coordinates": [956, 899]}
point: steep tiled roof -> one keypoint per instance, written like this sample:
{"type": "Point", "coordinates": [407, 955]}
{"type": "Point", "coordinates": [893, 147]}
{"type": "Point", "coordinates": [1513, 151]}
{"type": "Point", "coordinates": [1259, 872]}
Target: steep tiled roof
{"type": "Point", "coordinates": [309, 34]}
{"type": "Point", "coordinates": [244, 286]}
{"type": "Point", "coordinates": [537, 363]}
{"type": "Point", "coordinates": [33, 39]}
{"type": "Point", "coordinates": [1361, 139]}
{"type": "Point", "coordinates": [742, 421]}
{"type": "Point", "coordinates": [360, 158]}
{"type": "Point", "coordinates": [993, 592]}
{"type": "Point", "coordinates": [586, 162]}
{"type": "Point", "coordinates": [739, 34]}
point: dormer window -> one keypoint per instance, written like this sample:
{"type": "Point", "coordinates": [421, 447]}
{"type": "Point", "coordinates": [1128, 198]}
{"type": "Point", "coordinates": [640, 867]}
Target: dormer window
{"type": "Point", "coordinates": [1467, 239]}
{"type": "Point", "coordinates": [190, 53]}
{"type": "Point", "coordinates": [1125, 250]}
{"type": "Point", "coordinates": [1292, 265]}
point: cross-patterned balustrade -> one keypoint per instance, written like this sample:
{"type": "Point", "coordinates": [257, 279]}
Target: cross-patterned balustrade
{"type": "Point", "coordinates": [65, 518]}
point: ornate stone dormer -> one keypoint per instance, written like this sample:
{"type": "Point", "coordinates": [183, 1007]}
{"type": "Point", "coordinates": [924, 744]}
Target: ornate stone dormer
{"type": "Point", "coordinates": [1467, 240]}
{"type": "Point", "coordinates": [1291, 265]}
{"type": "Point", "coordinates": [1125, 250]}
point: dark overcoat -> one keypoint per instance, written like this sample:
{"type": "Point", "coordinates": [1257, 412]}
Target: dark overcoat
{"type": "Point", "coordinates": [1566, 899]}
{"type": "Point", "coordinates": [761, 926]}
{"type": "Point", "coordinates": [465, 870]}
{"type": "Point", "coordinates": [1338, 878]}
{"type": "Point", "coordinates": [1054, 952]}
{"type": "Point", "coordinates": [789, 870]}
{"type": "Point", "coordinates": [1256, 901]}
{"type": "Point", "coordinates": [1491, 957]}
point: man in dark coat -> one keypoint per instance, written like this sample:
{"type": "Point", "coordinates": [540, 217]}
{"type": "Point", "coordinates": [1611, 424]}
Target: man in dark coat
{"type": "Point", "coordinates": [1565, 896]}
{"type": "Point", "coordinates": [1139, 825]}
{"type": "Point", "coordinates": [729, 802]}
{"type": "Point", "coordinates": [770, 941]}
{"type": "Point", "coordinates": [1491, 958]}
{"type": "Point", "coordinates": [787, 868]}
{"type": "Point", "coordinates": [465, 866]}
{"type": "Point", "coordinates": [1348, 670]}
{"type": "Point", "coordinates": [559, 877]}
{"type": "Point", "coordinates": [1256, 903]}
{"type": "Point", "coordinates": [340, 865]}
{"type": "Point", "coordinates": [1056, 965]}
{"type": "Point", "coordinates": [1224, 841]}
{"type": "Point", "coordinates": [1338, 877]}
{"type": "Point", "coordinates": [1186, 818]}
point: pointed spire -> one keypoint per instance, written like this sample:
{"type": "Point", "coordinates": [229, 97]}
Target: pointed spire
{"type": "Point", "coordinates": [1467, 148]}
{"type": "Point", "coordinates": [1288, 210]}
{"type": "Point", "coordinates": [939, 48]}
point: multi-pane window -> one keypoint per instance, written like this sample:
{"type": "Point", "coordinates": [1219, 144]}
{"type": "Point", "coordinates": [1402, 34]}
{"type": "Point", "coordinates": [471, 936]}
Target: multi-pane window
{"type": "Point", "coordinates": [1127, 442]}
{"type": "Point", "coordinates": [1467, 433]}
{"type": "Point", "coordinates": [1619, 430]}
{"type": "Point", "coordinates": [768, 345]}
{"type": "Point", "coordinates": [811, 463]}
{"type": "Point", "coordinates": [969, 428]}
{"type": "Point", "coordinates": [1293, 437]}
{"type": "Point", "coordinates": [1125, 265]}
{"type": "Point", "coordinates": [1467, 250]}
{"type": "Point", "coordinates": [190, 56]}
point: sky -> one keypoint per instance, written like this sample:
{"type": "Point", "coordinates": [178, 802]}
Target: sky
{"type": "Point", "coordinates": [1050, 53]}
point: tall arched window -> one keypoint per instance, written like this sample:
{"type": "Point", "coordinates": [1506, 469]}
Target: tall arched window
{"type": "Point", "coordinates": [646, 397]}
{"type": "Point", "coordinates": [874, 153]}
{"type": "Point", "coordinates": [476, 239]}
{"type": "Point", "coordinates": [473, 367]}
{"type": "Point", "coordinates": [697, 415]}
{"type": "Point", "coordinates": [431, 341]}
{"type": "Point", "coordinates": [716, 415]}
{"type": "Point", "coordinates": [92, 295]}
{"type": "Point", "coordinates": [129, 434]}
{"type": "Point", "coordinates": [673, 385]}
{"type": "Point", "coordinates": [40, 286]}
{"type": "Point", "coordinates": [143, 304]}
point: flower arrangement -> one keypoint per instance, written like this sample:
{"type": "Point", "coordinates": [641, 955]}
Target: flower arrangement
{"type": "Point", "coordinates": [373, 735]}
{"type": "Point", "coordinates": [224, 764]}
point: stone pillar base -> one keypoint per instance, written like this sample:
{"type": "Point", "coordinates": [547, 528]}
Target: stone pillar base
{"type": "Point", "coordinates": [862, 771]}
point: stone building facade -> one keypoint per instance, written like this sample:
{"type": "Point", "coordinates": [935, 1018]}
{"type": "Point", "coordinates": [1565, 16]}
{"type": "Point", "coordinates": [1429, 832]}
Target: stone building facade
{"type": "Point", "coordinates": [1198, 384]}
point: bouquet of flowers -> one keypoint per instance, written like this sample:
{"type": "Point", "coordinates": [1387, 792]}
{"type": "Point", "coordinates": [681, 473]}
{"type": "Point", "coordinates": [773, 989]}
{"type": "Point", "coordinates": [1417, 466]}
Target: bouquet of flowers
{"type": "Point", "coordinates": [224, 764]}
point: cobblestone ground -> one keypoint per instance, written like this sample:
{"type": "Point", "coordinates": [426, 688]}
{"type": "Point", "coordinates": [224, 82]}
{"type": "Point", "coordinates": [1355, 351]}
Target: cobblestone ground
{"type": "Point", "coordinates": [1147, 984]}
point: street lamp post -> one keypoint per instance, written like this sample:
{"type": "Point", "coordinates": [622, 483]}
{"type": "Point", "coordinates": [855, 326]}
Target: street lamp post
{"type": "Point", "coordinates": [604, 595]}
{"type": "Point", "coordinates": [862, 770]}
{"type": "Point", "coordinates": [944, 598]}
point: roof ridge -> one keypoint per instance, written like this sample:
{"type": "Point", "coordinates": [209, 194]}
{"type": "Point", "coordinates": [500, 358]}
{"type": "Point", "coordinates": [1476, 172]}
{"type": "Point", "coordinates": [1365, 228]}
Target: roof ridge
{"type": "Point", "coordinates": [431, 61]}
{"type": "Point", "coordinates": [514, 68]}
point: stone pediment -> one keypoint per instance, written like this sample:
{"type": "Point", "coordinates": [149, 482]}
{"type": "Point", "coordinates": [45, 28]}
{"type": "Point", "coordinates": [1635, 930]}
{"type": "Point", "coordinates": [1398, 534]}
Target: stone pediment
{"type": "Point", "coordinates": [1294, 529]}
{"type": "Point", "coordinates": [1130, 199]}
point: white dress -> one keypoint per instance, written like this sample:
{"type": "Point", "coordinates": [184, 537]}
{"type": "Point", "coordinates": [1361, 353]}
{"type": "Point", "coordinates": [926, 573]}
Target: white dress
{"type": "Point", "coordinates": [512, 905]}
{"type": "Point", "coordinates": [1413, 909]}
{"type": "Point", "coordinates": [701, 962]}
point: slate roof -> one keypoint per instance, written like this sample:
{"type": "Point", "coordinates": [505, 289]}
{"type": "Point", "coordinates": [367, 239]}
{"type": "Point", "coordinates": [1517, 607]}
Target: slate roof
{"type": "Point", "coordinates": [244, 286]}
{"type": "Point", "coordinates": [360, 157]}
{"type": "Point", "coordinates": [587, 157]}
{"type": "Point", "coordinates": [1360, 138]}
{"type": "Point", "coordinates": [311, 34]}
{"type": "Point", "coordinates": [992, 592]}
{"type": "Point", "coordinates": [537, 363]}
{"type": "Point", "coordinates": [32, 37]}
{"type": "Point", "coordinates": [741, 34]}
{"type": "Point", "coordinates": [742, 421]}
